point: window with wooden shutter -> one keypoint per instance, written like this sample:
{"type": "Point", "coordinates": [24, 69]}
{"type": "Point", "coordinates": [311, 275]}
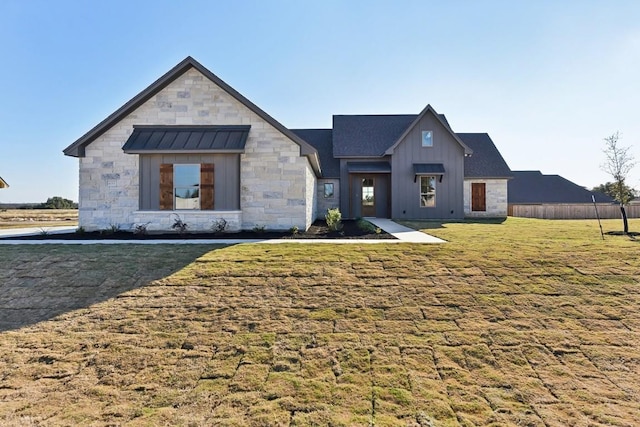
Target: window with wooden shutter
{"type": "Point", "coordinates": [478, 196]}
{"type": "Point", "coordinates": [207, 187]}
{"type": "Point", "coordinates": [166, 186]}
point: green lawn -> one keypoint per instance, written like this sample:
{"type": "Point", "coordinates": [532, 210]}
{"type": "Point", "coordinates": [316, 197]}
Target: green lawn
{"type": "Point", "coordinates": [522, 323]}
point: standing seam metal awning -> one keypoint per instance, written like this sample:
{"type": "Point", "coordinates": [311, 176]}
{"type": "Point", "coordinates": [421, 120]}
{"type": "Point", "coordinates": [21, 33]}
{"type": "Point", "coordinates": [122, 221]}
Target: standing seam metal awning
{"type": "Point", "coordinates": [187, 139]}
{"type": "Point", "coordinates": [368, 167]}
{"type": "Point", "coordinates": [427, 169]}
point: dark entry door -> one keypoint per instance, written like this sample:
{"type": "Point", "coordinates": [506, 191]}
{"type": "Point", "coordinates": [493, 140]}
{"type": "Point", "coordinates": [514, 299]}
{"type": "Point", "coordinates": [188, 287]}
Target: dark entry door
{"type": "Point", "coordinates": [478, 196]}
{"type": "Point", "coordinates": [368, 198]}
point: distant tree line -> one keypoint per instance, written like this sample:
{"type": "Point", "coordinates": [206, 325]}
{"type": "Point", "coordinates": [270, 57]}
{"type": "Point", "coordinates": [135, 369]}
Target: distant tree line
{"type": "Point", "coordinates": [51, 203]}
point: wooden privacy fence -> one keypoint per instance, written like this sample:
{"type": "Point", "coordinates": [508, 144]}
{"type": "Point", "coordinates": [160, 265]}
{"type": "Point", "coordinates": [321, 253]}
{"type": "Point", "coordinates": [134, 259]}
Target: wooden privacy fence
{"type": "Point", "coordinates": [571, 211]}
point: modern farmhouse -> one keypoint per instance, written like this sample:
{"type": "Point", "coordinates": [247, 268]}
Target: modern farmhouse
{"type": "Point", "coordinates": [191, 145]}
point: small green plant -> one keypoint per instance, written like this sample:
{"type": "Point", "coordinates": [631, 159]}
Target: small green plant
{"type": "Point", "coordinates": [219, 226]}
{"type": "Point", "coordinates": [179, 225]}
{"type": "Point", "coordinates": [365, 225]}
{"type": "Point", "coordinates": [294, 230]}
{"type": "Point", "coordinates": [378, 230]}
{"type": "Point", "coordinates": [44, 232]}
{"type": "Point", "coordinates": [140, 229]}
{"type": "Point", "coordinates": [259, 229]}
{"type": "Point", "coordinates": [113, 228]}
{"type": "Point", "coordinates": [80, 230]}
{"type": "Point", "coordinates": [334, 219]}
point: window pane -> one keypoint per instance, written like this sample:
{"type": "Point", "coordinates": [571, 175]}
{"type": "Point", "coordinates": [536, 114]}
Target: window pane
{"type": "Point", "coordinates": [367, 192]}
{"type": "Point", "coordinates": [186, 175]}
{"type": "Point", "coordinates": [187, 198]}
{"type": "Point", "coordinates": [328, 190]}
{"type": "Point", "coordinates": [427, 191]}
{"type": "Point", "coordinates": [427, 138]}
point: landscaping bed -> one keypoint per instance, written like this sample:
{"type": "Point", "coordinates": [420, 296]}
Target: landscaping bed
{"type": "Point", "coordinates": [352, 229]}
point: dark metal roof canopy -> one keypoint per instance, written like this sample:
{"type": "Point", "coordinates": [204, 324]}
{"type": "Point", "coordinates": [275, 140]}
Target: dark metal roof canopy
{"type": "Point", "coordinates": [427, 169]}
{"type": "Point", "coordinates": [368, 167]}
{"type": "Point", "coordinates": [187, 139]}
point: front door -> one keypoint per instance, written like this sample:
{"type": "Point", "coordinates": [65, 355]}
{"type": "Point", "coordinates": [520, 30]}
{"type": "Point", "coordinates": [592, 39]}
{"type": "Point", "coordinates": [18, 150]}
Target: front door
{"type": "Point", "coordinates": [478, 196]}
{"type": "Point", "coordinates": [368, 197]}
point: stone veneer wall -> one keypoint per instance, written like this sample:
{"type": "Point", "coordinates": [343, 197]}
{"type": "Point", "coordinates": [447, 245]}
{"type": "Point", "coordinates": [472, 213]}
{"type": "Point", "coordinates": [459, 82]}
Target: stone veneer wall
{"type": "Point", "coordinates": [496, 198]}
{"type": "Point", "coordinates": [274, 178]}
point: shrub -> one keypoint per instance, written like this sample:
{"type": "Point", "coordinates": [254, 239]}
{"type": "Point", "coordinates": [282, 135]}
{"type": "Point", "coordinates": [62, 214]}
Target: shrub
{"type": "Point", "coordinates": [219, 226]}
{"type": "Point", "coordinates": [259, 229]}
{"type": "Point", "coordinates": [334, 219]}
{"type": "Point", "coordinates": [179, 225]}
{"type": "Point", "coordinates": [294, 230]}
{"type": "Point", "coordinates": [140, 229]}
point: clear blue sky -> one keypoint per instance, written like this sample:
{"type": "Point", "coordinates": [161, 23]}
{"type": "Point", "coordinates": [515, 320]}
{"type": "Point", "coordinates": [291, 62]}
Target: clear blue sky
{"type": "Point", "coordinates": [548, 80]}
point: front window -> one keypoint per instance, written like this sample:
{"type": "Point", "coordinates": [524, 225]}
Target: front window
{"type": "Point", "coordinates": [427, 138]}
{"type": "Point", "coordinates": [367, 192]}
{"type": "Point", "coordinates": [328, 190]}
{"type": "Point", "coordinates": [427, 191]}
{"type": "Point", "coordinates": [186, 186]}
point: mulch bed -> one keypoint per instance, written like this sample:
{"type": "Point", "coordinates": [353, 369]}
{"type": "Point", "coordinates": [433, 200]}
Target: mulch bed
{"type": "Point", "coordinates": [318, 230]}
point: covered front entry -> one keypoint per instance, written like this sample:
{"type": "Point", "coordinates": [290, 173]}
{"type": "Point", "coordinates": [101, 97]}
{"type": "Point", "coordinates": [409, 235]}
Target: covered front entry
{"type": "Point", "coordinates": [369, 195]}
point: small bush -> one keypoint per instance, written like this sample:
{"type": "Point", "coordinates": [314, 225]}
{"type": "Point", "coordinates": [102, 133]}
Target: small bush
{"type": "Point", "coordinates": [113, 228]}
{"type": "Point", "coordinates": [219, 226]}
{"type": "Point", "coordinates": [259, 229]}
{"type": "Point", "coordinates": [334, 219]}
{"type": "Point", "coordinates": [294, 230]}
{"type": "Point", "coordinates": [140, 229]}
{"type": "Point", "coordinates": [80, 230]}
{"type": "Point", "coordinates": [365, 225]}
{"type": "Point", "coordinates": [179, 225]}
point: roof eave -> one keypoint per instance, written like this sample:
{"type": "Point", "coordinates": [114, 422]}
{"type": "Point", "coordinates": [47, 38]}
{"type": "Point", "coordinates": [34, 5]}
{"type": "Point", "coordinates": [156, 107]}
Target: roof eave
{"type": "Point", "coordinates": [77, 148]}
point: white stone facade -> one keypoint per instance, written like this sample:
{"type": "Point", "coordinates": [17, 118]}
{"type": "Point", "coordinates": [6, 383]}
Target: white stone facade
{"type": "Point", "coordinates": [277, 184]}
{"type": "Point", "coordinates": [496, 198]}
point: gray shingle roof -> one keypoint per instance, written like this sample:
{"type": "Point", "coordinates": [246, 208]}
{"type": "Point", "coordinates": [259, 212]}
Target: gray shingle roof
{"type": "Point", "coordinates": [486, 161]}
{"type": "Point", "coordinates": [367, 135]}
{"type": "Point", "coordinates": [533, 187]}
{"type": "Point", "coordinates": [157, 139]}
{"type": "Point", "coordinates": [322, 140]}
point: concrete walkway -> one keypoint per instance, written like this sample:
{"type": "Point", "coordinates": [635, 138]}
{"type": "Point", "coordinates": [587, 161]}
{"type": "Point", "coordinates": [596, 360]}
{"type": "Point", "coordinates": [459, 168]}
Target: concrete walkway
{"type": "Point", "coordinates": [400, 232]}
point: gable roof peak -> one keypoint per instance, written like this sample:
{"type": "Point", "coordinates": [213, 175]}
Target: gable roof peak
{"type": "Point", "coordinates": [77, 148]}
{"type": "Point", "coordinates": [429, 109]}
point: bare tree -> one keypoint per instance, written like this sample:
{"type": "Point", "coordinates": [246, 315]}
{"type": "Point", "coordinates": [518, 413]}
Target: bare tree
{"type": "Point", "coordinates": [618, 164]}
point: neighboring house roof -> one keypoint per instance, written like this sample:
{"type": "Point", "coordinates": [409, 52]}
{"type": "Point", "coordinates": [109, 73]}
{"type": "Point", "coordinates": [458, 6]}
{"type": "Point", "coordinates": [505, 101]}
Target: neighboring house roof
{"type": "Point", "coordinates": [3, 183]}
{"type": "Point", "coordinates": [176, 139]}
{"type": "Point", "coordinates": [486, 161]}
{"type": "Point", "coordinates": [532, 187]}
{"type": "Point", "coordinates": [77, 148]}
{"type": "Point", "coordinates": [322, 140]}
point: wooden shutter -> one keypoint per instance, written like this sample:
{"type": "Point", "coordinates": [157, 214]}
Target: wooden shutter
{"type": "Point", "coordinates": [166, 186]}
{"type": "Point", "coordinates": [207, 188]}
{"type": "Point", "coordinates": [478, 196]}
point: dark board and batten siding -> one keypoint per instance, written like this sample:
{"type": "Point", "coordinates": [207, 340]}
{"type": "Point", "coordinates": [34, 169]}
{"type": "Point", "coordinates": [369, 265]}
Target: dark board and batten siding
{"type": "Point", "coordinates": [226, 178]}
{"type": "Point", "coordinates": [449, 191]}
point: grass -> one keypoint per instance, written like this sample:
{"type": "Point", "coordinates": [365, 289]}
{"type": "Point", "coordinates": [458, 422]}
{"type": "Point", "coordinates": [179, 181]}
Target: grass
{"type": "Point", "coordinates": [19, 218]}
{"type": "Point", "coordinates": [522, 323]}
